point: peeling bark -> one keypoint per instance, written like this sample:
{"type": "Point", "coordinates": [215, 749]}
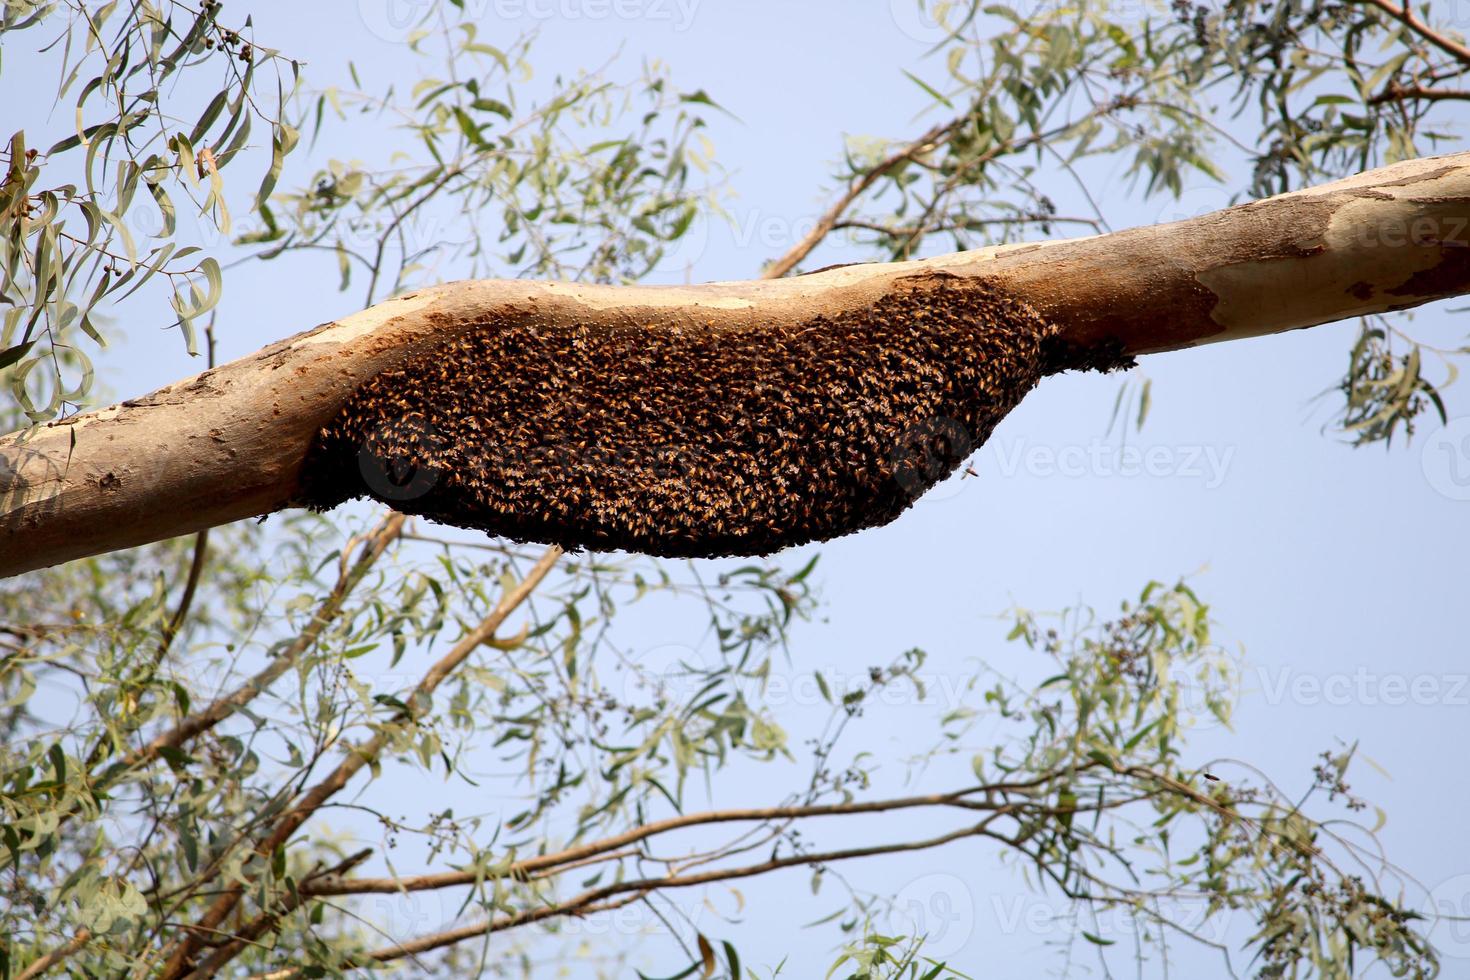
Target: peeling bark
{"type": "Point", "coordinates": [231, 443]}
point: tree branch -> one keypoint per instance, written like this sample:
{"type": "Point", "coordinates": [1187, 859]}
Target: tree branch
{"type": "Point", "coordinates": [356, 758]}
{"type": "Point", "coordinates": [45, 963]}
{"type": "Point", "coordinates": [1397, 92]}
{"type": "Point", "coordinates": [546, 862]}
{"type": "Point", "coordinates": [1030, 219]}
{"type": "Point", "coordinates": [191, 584]}
{"type": "Point", "coordinates": [375, 543]}
{"type": "Point", "coordinates": [581, 902]}
{"type": "Point", "coordinates": [1404, 14]}
{"type": "Point", "coordinates": [231, 443]}
{"type": "Point", "coordinates": [855, 190]}
{"type": "Point", "coordinates": [1034, 807]}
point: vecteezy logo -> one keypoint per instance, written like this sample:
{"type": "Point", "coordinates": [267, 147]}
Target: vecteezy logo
{"type": "Point", "coordinates": [670, 672]}
{"type": "Point", "coordinates": [393, 20]}
{"type": "Point", "coordinates": [397, 458]}
{"type": "Point", "coordinates": [679, 257]}
{"type": "Point", "coordinates": [937, 908]}
{"type": "Point", "coordinates": [1446, 460]}
{"type": "Point", "coordinates": [927, 452]}
{"type": "Point", "coordinates": [1194, 201]}
{"type": "Point", "coordinates": [922, 20]}
{"type": "Point", "coordinates": [1449, 912]}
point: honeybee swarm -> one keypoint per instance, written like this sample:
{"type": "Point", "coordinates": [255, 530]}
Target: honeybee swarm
{"type": "Point", "coordinates": [677, 442]}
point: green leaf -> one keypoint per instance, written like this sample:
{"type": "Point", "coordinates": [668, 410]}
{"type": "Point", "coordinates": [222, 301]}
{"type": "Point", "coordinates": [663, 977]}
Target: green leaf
{"type": "Point", "coordinates": [10, 355]}
{"type": "Point", "coordinates": [492, 105]}
{"type": "Point", "coordinates": [58, 762]}
{"type": "Point", "coordinates": [932, 92]}
{"type": "Point", "coordinates": [732, 959]}
{"type": "Point", "coordinates": [282, 143]}
{"type": "Point", "coordinates": [805, 570]}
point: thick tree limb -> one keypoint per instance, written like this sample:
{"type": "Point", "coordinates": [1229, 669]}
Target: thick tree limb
{"type": "Point", "coordinates": [230, 443]}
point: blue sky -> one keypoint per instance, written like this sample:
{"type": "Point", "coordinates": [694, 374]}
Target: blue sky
{"type": "Point", "coordinates": [1341, 572]}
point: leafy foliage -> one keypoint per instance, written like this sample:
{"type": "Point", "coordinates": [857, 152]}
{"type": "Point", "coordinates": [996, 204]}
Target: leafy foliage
{"type": "Point", "coordinates": [1383, 393]}
{"type": "Point", "coordinates": [196, 731]}
{"type": "Point", "coordinates": [1032, 97]}
{"type": "Point", "coordinates": [602, 764]}
{"type": "Point", "coordinates": [602, 208]}
{"type": "Point", "coordinates": [71, 215]}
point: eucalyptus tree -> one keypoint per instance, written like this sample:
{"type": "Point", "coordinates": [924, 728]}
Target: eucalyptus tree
{"type": "Point", "coordinates": [184, 718]}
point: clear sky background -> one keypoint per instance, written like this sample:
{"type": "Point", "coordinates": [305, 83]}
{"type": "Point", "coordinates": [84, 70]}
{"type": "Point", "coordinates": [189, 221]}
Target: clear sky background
{"type": "Point", "coordinates": [1341, 572]}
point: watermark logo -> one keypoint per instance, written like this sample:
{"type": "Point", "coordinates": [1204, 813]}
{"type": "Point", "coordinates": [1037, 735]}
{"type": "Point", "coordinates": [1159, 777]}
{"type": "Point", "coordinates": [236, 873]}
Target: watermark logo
{"type": "Point", "coordinates": [678, 258]}
{"type": "Point", "coordinates": [1364, 687]}
{"type": "Point", "coordinates": [924, 21]}
{"type": "Point", "coordinates": [755, 234]}
{"type": "Point", "coordinates": [1038, 916]}
{"type": "Point", "coordinates": [404, 472]}
{"type": "Point", "coordinates": [676, 674]}
{"type": "Point", "coordinates": [401, 916]}
{"type": "Point", "coordinates": [1449, 909]}
{"type": "Point", "coordinates": [1446, 460]}
{"type": "Point", "coordinates": [658, 673]}
{"type": "Point", "coordinates": [938, 908]}
{"type": "Point", "coordinates": [927, 451]}
{"type": "Point", "coordinates": [1208, 464]}
{"type": "Point", "coordinates": [678, 913]}
{"type": "Point", "coordinates": [1192, 202]}
{"type": "Point", "coordinates": [396, 21]}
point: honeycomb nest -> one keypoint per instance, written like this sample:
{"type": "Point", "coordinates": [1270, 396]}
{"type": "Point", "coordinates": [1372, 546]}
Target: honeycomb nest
{"type": "Point", "coordinates": [692, 443]}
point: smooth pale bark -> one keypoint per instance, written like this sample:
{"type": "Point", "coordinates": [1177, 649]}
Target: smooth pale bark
{"type": "Point", "coordinates": [229, 443]}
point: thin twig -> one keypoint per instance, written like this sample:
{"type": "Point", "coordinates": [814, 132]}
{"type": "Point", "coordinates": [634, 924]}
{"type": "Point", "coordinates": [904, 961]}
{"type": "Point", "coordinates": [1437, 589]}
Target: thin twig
{"type": "Point", "coordinates": [1031, 219]}
{"type": "Point", "coordinates": [1405, 15]}
{"type": "Point", "coordinates": [251, 933]}
{"type": "Point", "coordinates": [358, 756]}
{"type": "Point", "coordinates": [191, 585]}
{"type": "Point", "coordinates": [1396, 92]}
{"type": "Point", "coordinates": [579, 904]}
{"type": "Point", "coordinates": [54, 957]}
{"type": "Point", "coordinates": [924, 144]}
{"type": "Point", "coordinates": [377, 542]}
{"type": "Point", "coordinates": [201, 542]}
{"type": "Point", "coordinates": [633, 836]}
